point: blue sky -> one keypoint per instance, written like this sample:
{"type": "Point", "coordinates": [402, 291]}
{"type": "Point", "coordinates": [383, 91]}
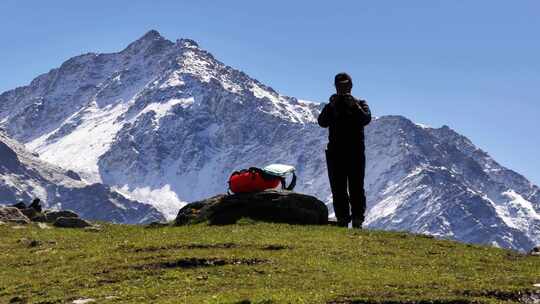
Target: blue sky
{"type": "Point", "coordinates": [472, 65]}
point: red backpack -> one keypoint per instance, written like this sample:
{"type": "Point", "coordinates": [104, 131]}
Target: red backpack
{"type": "Point", "coordinates": [255, 180]}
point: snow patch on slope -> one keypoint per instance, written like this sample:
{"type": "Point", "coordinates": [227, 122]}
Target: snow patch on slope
{"type": "Point", "coordinates": [162, 109]}
{"type": "Point", "coordinates": [517, 212]}
{"type": "Point", "coordinates": [81, 149]}
{"type": "Point", "coordinates": [163, 199]}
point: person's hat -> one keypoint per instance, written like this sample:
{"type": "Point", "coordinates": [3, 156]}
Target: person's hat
{"type": "Point", "coordinates": [343, 79]}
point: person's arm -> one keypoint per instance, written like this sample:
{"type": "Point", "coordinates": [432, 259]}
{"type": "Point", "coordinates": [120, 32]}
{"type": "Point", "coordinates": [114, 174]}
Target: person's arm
{"type": "Point", "coordinates": [327, 116]}
{"type": "Point", "coordinates": [360, 109]}
{"type": "Point", "coordinates": [365, 112]}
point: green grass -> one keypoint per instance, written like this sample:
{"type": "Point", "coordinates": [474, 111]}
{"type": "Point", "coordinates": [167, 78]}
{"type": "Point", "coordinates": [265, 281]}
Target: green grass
{"type": "Point", "coordinates": [264, 263]}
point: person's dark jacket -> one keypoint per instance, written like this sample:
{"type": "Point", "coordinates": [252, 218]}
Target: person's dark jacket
{"type": "Point", "coordinates": [346, 117]}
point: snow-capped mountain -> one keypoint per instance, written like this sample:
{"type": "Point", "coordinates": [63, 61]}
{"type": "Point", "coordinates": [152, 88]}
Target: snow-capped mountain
{"type": "Point", "coordinates": [435, 181]}
{"type": "Point", "coordinates": [24, 177]}
{"type": "Point", "coordinates": [166, 123]}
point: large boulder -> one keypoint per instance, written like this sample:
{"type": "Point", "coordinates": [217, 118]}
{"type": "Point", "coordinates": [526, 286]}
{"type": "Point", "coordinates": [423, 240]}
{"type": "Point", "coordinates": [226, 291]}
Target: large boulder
{"type": "Point", "coordinates": [71, 222]}
{"type": "Point", "coordinates": [270, 206]}
{"type": "Point", "coordinates": [51, 216]}
{"type": "Point", "coordinates": [13, 215]}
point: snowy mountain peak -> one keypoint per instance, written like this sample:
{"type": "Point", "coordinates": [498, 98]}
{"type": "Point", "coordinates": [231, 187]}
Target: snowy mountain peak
{"type": "Point", "coordinates": [149, 37]}
{"type": "Point", "coordinates": [152, 40]}
{"type": "Point", "coordinates": [152, 35]}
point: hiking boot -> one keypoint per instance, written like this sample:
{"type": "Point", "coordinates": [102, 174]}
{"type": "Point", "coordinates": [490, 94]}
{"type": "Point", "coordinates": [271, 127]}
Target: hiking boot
{"type": "Point", "coordinates": [357, 223]}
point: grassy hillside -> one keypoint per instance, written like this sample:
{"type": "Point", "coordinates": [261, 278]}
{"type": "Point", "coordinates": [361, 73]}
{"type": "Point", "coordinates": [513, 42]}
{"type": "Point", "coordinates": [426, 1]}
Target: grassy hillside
{"type": "Point", "coordinates": [254, 263]}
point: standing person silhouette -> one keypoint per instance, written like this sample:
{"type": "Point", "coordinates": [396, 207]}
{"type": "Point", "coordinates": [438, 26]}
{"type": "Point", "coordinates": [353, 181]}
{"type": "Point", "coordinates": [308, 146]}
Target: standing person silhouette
{"type": "Point", "coordinates": [346, 116]}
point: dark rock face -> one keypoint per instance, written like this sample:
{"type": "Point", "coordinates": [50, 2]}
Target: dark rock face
{"type": "Point", "coordinates": [74, 175]}
{"type": "Point", "coordinates": [269, 206]}
{"type": "Point", "coordinates": [71, 222]}
{"type": "Point", "coordinates": [10, 160]}
{"type": "Point", "coordinates": [36, 205]}
{"type": "Point", "coordinates": [30, 213]}
{"type": "Point", "coordinates": [13, 215]}
{"type": "Point", "coordinates": [19, 205]}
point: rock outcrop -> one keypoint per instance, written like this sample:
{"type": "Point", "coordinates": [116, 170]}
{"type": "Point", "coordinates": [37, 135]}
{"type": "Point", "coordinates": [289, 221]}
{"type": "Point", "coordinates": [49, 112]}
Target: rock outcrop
{"type": "Point", "coordinates": [51, 216]}
{"type": "Point", "coordinates": [71, 222]}
{"type": "Point", "coordinates": [58, 218]}
{"type": "Point", "coordinates": [269, 206]}
{"type": "Point", "coordinates": [13, 215]}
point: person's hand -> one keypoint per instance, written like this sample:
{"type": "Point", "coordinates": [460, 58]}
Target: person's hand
{"type": "Point", "coordinates": [350, 102]}
{"type": "Point", "coordinates": [332, 104]}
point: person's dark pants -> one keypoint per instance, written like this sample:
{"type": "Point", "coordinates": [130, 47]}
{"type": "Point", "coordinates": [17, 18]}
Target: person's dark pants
{"type": "Point", "coordinates": [347, 168]}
